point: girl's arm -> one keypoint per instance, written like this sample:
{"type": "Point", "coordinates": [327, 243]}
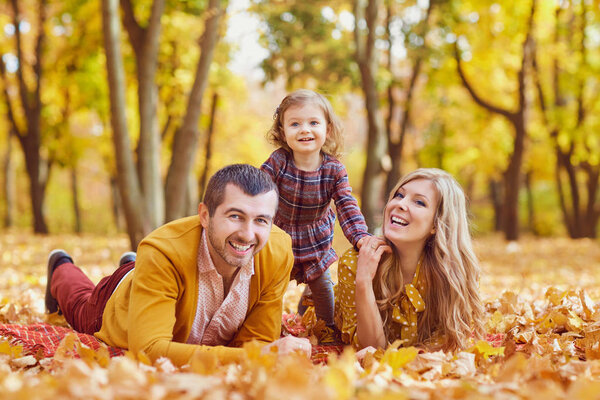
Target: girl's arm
{"type": "Point", "coordinates": [350, 217]}
{"type": "Point", "coordinates": [369, 327]}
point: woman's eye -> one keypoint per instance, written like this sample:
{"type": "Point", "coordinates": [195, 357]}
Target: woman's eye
{"type": "Point", "coordinates": [421, 203]}
{"type": "Point", "coordinates": [399, 195]}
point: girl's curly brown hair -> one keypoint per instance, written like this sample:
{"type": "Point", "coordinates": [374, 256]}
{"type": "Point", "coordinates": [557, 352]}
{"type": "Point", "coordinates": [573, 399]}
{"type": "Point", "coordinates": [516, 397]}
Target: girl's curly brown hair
{"type": "Point", "coordinates": [333, 141]}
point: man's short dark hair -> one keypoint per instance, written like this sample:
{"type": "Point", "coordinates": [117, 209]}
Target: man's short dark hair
{"type": "Point", "coordinates": [249, 179]}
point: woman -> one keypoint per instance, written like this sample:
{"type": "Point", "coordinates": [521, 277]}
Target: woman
{"type": "Point", "coordinates": [420, 283]}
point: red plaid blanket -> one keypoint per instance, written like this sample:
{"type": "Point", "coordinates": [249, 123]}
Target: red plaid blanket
{"type": "Point", "coordinates": [46, 338]}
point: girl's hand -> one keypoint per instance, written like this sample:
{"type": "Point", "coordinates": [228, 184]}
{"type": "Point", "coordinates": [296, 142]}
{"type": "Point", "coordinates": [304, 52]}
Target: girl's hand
{"type": "Point", "coordinates": [369, 255]}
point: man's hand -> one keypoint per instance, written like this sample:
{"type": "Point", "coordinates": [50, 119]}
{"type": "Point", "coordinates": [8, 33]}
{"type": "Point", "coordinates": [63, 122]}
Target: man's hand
{"type": "Point", "coordinates": [361, 354]}
{"type": "Point", "coordinates": [289, 344]}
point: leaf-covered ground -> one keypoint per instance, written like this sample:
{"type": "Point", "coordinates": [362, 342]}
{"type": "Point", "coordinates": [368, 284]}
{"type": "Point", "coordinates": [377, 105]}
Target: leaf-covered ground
{"type": "Point", "coordinates": [541, 297]}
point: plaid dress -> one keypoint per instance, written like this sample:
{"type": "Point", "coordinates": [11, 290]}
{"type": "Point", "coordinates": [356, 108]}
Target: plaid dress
{"type": "Point", "coordinates": [305, 212]}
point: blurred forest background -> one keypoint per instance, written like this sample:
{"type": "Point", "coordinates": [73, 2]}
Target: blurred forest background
{"type": "Point", "coordinates": [114, 113]}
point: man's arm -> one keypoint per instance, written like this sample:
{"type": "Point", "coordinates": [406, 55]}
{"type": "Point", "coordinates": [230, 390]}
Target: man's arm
{"type": "Point", "coordinates": [156, 291]}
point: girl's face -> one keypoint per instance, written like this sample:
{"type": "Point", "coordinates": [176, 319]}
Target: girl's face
{"type": "Point", "coordinates": [305, 128]}
{"type": "Point", "coordinates": [409, 215]}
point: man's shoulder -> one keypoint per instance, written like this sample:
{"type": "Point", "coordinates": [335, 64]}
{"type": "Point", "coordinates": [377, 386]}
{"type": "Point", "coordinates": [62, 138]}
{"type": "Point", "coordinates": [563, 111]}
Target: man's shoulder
{"type": "Point", "coordinates": [277, 252]}
{"type": "Point", "coordinates": [279, 241]}
{"type": "Point", "coordinates": [177, 228]}
{"type": "Point", "coordinates": [177, 239]}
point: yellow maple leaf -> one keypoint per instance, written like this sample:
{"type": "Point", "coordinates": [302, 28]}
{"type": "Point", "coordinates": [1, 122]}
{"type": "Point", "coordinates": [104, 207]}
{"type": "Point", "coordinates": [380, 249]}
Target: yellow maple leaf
{"type": "Point", "coordinates": [398, 358]}
{"type": "Point", "coordinates": [555, 296]}
{"type": "Point", "coordinates": [12, 351]}
{"type": "Point", "coordinates": [486, 350]}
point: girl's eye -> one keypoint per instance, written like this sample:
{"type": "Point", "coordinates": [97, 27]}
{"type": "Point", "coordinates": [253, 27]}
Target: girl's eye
{"type": "Point", "coordinates": [421, 203]}
{"type": "Point", "coordinates": [294, 124]}
{"type": "Point", "coordinates": [399, 195]}
{"type": "Point", "coordinates": [314, 123]}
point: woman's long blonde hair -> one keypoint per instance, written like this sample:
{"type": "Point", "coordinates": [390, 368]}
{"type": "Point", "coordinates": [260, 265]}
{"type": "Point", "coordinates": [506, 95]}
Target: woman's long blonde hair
{"type": "Point", "coordinates": [449, 267]}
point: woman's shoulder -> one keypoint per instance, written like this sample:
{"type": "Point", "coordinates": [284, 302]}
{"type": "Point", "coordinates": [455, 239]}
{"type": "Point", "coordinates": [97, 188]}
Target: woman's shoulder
{"type": "Point", "coordinates": [347, 263]}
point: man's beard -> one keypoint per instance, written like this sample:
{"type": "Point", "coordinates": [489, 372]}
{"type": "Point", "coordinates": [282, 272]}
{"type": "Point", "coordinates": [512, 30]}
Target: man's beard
{"type": "Point", "coordinates": [220, 249]}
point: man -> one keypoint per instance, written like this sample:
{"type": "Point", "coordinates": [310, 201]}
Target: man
{"type": "Point", "coordinates": [209, 282]}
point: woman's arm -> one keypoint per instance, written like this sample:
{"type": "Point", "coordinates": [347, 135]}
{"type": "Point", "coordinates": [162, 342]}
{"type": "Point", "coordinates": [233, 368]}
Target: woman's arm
{"type": "Point", "coordinates": [369, 327]}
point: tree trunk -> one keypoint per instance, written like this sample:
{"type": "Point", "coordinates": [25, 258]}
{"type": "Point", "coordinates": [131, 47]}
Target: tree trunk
{"type": "Point", "coordinates": [138, 225]}
{"type": "Point", "coordinates": [396, 143]}
{"type": "Point", "coordinates": [530, 204]}
{"type": "Point", "coordinates": [8, 171]}
{"type": "Point", "coordinates": [580, 221]}
{"type": "Point", "coordinates": [374, 174]}
{"type": "Point", "coordinates": [512, 174]}
{"type": "Point", "coordinates": [75, 194]}
{"type": "Point", "coordinates": [116, 203]}
{"type": "Point", "coordinates": [208, 147]}
{"type": "Point", "coordinates": [145, 43]}
{"type": "Point", "coordinates": [185, 142]}
{"type": "Point", "coordinates": [496, 196]}
{"type": "Point", "coordinates": [31, 104]}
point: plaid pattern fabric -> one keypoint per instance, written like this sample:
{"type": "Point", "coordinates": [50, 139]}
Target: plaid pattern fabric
{"type": "Point", "coordinates": [46, 338]}
{"type": "Point", "coordinates": [305, 212]}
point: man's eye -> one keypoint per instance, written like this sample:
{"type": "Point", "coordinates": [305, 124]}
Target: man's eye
{"type": "Point", "coordinates": [262, 221]}
{"type": "Point", "coordinates": [234, 216]}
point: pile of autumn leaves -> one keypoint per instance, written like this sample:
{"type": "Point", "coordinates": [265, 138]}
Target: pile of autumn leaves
{"type": "Point", "coordinates": [543, 342]}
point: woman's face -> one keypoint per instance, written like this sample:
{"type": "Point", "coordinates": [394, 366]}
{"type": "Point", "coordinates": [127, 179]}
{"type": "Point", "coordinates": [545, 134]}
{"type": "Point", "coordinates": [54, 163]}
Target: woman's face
{"type": "Point", "coordinates": [409, 215]}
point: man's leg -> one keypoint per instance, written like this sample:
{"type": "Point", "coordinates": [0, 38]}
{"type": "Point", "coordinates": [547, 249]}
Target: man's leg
{"type": "Point", "coordinates": [72, 290]}
{"type": "Point", "coordinates": [82, 302]}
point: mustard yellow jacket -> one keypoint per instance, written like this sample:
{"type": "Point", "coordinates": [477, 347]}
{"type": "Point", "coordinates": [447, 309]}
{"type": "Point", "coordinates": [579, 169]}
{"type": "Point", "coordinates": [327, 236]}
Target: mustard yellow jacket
{"type": "Point", "coordinates": [153, 309]}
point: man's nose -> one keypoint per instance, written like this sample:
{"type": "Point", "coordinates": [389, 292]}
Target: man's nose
{"type": "Point", "coordinates": [246, 232]}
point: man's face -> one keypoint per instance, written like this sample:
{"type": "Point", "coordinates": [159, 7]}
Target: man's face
{"type": "Point", "coordinates": [239, 228]}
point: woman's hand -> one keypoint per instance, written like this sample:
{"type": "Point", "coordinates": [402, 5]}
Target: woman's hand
{"type": "Point", "coordinates": [369, 256]}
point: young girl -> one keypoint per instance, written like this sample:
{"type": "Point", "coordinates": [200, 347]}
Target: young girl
{"type": "Point", "coordinates": [308, 176]}
{"type": "Point", "coordinates": [419, 284]}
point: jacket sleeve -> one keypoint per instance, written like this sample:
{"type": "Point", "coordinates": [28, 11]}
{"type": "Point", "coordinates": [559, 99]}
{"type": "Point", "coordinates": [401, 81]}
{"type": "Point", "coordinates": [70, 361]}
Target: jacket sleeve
{"type": "Point", "coordinates": [152, 311]}
{"type": "Point", "coordinates": [350, 217]}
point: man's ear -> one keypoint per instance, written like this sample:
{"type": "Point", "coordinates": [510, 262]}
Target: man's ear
{"type": "Point", "coordinates": [203, 214]}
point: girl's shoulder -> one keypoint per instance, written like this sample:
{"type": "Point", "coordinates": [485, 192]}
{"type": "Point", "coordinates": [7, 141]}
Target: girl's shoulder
{"type": "Point", "coordinates": [280, 154]}
{"type": "Point", "coordinates": [333, 165]}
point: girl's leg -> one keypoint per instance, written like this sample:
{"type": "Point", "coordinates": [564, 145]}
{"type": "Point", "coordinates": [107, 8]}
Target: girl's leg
{"type": "Point", "coordinates": [322, 294]}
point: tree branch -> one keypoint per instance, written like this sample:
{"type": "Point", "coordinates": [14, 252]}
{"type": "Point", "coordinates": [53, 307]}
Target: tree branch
{"type": "Point", "coordinates": [134, 30]}
{"type": "Point", "coordinates": [483, 103]}
{"type": "Point", "coordinates": [23, 89]}
{"type": "Point", "coordinates": [9, 108]}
